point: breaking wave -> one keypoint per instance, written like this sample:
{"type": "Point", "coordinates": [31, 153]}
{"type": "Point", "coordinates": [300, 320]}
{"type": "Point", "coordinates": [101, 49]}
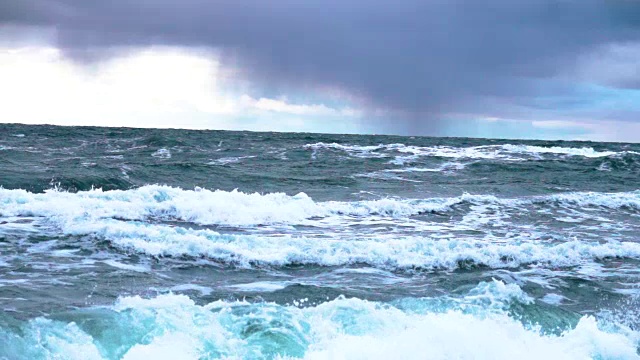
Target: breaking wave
{"type": "Point", "coordinates": [129, 221]}
{"type": "Point", "coordinates": [205, 207]}
{"type": "Point", "coordinates": [173, 326]}
{"type": "Point", "coordinates": [401, 253]}
{"type": "Point", "coordinates": [383, 251]}
{"type": "Point", "coordinates": [508, 152]}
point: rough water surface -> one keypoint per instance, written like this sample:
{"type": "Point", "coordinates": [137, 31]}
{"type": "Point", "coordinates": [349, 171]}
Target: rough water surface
{"type": "Point", "coordinates": [176, 244]}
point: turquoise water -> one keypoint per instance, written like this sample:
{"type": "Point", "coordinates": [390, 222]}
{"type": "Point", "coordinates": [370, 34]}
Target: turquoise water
{"type": "Point", "coordinates": [175, 244]}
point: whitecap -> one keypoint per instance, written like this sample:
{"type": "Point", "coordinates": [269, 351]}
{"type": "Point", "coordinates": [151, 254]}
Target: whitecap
{"type": "Point", "coordinates": [383, 252]}
{"type": "Point", "coordinates": [127, 267]}
{"type": "Point", "coordinates": [505, 152]}
{"type": "Point", "coordinates": [206, 207]}
{"type": "Point", "coordinates": [174, 326]}
{"type": "Point", "coordinates": [229, 160]}
{"type": "Point", "coordinates": [584, 151]}
{"type": "Point", "coordinates": [162, 154]}
{"type": "Point", "coordinates": [260, 286]}
{"type": "Point", "coordinates": [553, 299]}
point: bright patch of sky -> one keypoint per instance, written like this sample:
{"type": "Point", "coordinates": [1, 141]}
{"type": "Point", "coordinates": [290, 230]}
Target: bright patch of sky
{"type": "Point", "coordinates": [154, 87]}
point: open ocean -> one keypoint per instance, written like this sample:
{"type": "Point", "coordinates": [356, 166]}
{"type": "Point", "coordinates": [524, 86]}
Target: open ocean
{"type": "Point", "coordinates": [177, 244]}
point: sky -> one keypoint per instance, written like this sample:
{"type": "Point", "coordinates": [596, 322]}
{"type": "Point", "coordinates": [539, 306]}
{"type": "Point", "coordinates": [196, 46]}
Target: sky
{"type": "Point", "coordinates": [563, 69]}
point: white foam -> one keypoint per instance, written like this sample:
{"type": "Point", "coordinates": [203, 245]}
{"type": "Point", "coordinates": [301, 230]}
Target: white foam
{"type": "Point", "coordinates": [355, 150]}
{"type": "Point", "coordinates": [607, 200]}
{"type": "Point", "coordinates": [3, 282]}
{"type": "Point", "coordinates": [229, 160]}
{"type": "Point", "coordinates": [365, 270]}
{"type": "Point", "coordinates": [455, 335]}
{"type": "Point", "coordinates": [553, 299]}
{"type": "Point", "coordinates": [497, 293]}
{"type": "Point", "coordinates": [384, 175]}
{"type": "Point", "coordinates": [584, 151]}
{"type": "Point", "coordinates": [65, 253]}
{"type": "Point", "coordinates": [235, 208]}
{"type": "Point", "coordinates": [446, 167]}
{"type": "Point", "coordinates": [383, 252]}
{"type": "Point", "coordinates": [321, 145]}
{"type": "Point", "coordinates": [509, 152]}
{"type": "Point", "coordinates": [262, 286]}
{"type": "Point", "coordinates": [332, 239]}
{"type": "Point", "coordinates": [162, 154]}
{"type": "Point", "coordinates": [173, 326]}
{"type": "Point", "coordinates": [202, 206]}
{"type": "Point", "coordinates": [168, 346]}
{"type": "Point", "coordinates": [205, 207]}
{"type": "Point", "coordinates": [604, 167]}
{"type": "Point", "coordinates": [113, 157]}
{"type": "Point", "coordinates": [128, 267]}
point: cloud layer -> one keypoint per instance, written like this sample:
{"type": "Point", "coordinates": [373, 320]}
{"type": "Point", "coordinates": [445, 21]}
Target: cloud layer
{"type": "Point", "coordinates": [424, 60]}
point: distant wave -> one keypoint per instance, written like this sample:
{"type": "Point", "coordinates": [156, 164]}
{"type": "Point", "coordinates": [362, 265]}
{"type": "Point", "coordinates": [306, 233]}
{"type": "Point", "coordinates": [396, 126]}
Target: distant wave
{"type": "Point", "coordinates": [507, 152]}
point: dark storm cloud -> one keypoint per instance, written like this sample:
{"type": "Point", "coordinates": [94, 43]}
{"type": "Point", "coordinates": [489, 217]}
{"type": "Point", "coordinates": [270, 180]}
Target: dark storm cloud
{"type": "Point", "coordinates": [421, 58]}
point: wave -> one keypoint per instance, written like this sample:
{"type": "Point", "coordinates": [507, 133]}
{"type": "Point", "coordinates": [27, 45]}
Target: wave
{"type": "Point", "coordinates": [393, 252]}
{"type": "Point", "coordinates": [605, 200]}
{"type": "Point", "coordinates": [584, 151]}
{"type": "Point", "coordinates": [173, 326]}
{"type": "Point", "coordinates": [508, 152]}
{"type": "Point", "coordinates": [163, 202]}
{"type": "Point", "coordinates": [234, 208]}
{"type": "Point", "coordinates": [356, 150]}
{"type": "Point", "coordinates": [330, 234]}
{"type": "Point", "coordinates": [202, 206]}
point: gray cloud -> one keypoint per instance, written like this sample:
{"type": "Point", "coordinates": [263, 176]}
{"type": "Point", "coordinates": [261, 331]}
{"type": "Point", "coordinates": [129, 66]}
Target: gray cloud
{"type": "Point", "coordinates": [419, 58]}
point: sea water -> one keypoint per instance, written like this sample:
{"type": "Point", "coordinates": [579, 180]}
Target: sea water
{"type": "Point", "coordinates": [176, 244]}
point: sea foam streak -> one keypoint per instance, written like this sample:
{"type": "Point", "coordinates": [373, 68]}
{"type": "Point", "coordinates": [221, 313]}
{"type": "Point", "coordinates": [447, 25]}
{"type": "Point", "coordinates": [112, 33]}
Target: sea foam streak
{"type": "Point", "coordinates": [173, 326]}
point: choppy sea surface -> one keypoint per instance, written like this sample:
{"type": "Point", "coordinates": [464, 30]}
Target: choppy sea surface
{"type": "Point", "coordinates": [175, 244]}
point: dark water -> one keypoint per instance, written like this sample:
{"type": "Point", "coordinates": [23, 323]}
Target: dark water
{"type": "Point", "coordinates": [132, 243]}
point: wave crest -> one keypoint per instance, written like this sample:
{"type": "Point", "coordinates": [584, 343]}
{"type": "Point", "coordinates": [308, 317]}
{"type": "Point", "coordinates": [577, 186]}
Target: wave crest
{"type": "Point", "coordinates": [236, 208]}
{"type": "Point", "coordinates": [173, 326]}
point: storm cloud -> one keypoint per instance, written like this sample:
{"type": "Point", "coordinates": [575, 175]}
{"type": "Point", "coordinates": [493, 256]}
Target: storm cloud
{"type": "Point", "coordinates": [422, 59]}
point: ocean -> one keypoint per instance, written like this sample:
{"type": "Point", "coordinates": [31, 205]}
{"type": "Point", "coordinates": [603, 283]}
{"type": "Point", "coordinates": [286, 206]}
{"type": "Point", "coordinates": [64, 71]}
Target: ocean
{"type": "Point", "coordinates": [177, 244]}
